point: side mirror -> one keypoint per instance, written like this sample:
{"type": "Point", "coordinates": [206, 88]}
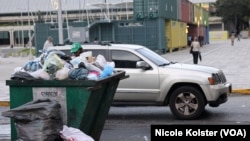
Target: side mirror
{"type": "Point", "coordinates": [143, 65]}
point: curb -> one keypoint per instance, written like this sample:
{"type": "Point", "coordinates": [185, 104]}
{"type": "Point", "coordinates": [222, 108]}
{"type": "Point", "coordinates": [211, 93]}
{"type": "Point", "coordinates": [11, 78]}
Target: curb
{"type": "Point", "coordinates": [241, 91]}
{"type": "Point", "coordinates": [238, 91]}
{"type": "Point", "coordinates": [4, 103]}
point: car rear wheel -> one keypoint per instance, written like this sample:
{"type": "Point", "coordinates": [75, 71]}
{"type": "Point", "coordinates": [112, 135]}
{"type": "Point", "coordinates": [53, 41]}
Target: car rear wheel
{"type": "Point", "coordinates": [187, 103]}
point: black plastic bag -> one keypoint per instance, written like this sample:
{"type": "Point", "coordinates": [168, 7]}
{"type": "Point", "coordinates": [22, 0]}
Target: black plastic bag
{"type": "Point", "coordinates": [22, 76]}
{"type": "Point", "coordinates": [191, 50]}
{"type": "Point", "coordinates": [38, 120]}
{"type": "Point", "coordinates": [200, 57]}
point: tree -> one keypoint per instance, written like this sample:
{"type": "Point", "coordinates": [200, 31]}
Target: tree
{"type": "Point", "coordinates": [236, 12]}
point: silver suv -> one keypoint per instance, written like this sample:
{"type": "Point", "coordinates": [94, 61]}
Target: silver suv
{"type": "Point", "coordinates": [153, 80]}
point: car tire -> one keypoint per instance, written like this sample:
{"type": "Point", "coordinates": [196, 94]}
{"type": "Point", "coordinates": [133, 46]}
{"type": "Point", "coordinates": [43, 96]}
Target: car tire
{"type": "Point", "coordinates": [187, 103]}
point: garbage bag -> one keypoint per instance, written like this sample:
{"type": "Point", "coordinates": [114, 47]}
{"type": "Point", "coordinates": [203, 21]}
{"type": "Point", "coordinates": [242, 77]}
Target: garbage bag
{"type": "Point", "coordinates": [22, 76]}
{"type": "Point", "coordinates": [40, 74]}
{"type": "Point", "coordinates": [74, 134]}
{"type": "Point", "coordinates": [78, 73]}
{"type": "Point", "coordinates": [100, 61]}
{"type": "Point", "coordinates": [107, 71]}
{"type": "Point", "coordinates": [32, 66]}
{"type": "Point", "coordinates": [38, 120]}
{"type": "Point", "coordinates": [52, 64]}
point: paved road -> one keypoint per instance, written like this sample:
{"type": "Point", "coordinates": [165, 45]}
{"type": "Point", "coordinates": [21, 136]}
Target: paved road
{"type": "Point", "coordinates": [132, 123]}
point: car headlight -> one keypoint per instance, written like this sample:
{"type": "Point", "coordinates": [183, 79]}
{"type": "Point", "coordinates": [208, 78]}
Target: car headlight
{"type": "Point", "coordinates": [217, 78]}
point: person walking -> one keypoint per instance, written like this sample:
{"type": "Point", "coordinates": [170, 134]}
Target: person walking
{"type": "Point", "coordinates": [48, 43]}
{"type": "Point", "coordinates": [96, 41]}
{"type": "Point", "coordinates": [232, 39]}
{"type": "Point", "coordinates": [238, 37]}
{"type": "Point", "coordinates": [196, 50]}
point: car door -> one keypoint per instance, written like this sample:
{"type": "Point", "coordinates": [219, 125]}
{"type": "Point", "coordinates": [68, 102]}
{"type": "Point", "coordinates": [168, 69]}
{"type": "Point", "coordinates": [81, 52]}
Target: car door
{"type": "Point", "coordinates": [142, 85]}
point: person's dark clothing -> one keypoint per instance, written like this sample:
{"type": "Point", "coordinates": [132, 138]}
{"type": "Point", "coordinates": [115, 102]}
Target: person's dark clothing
{"type": "Point", "coordinates": [195, 57]}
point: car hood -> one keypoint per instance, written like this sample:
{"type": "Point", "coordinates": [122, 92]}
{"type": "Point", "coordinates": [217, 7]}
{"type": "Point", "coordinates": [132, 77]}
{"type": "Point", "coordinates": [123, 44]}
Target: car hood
{"type": "Point", "coordinates": [191, 67]}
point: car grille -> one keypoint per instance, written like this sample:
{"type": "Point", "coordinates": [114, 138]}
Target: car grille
{"type": "Point", "coordinates": [219, 78]}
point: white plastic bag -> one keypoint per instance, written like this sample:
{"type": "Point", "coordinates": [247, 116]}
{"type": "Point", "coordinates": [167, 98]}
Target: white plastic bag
{"type": "Point", "coordinates": [91, 67]}
{"type": "Point", "coordinates": [62, 74]}
{"type": "Point", "coordinates": [73, 134]}
{"type": "Point", "coordinates": [100, 61]}
{"type": "Point", "coordinates": [77, 60]}
{"type": "Point", "coordinates": [40, 74]}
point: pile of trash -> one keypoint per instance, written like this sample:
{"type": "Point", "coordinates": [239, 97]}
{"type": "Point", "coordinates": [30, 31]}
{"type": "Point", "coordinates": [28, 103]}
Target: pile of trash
{"type": "Point", "coordinates": [56, 65]}
{"type": "Point", "coordinates": [40, 120]}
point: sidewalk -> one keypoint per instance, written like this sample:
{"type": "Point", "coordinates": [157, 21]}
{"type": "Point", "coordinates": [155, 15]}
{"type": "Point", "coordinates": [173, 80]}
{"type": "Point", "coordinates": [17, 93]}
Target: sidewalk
{"type": "Point", "coordinates": [233, 60]}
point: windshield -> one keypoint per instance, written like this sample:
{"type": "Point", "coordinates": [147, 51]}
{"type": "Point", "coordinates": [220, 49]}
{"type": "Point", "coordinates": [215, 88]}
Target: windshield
{"type": "Point", "coordinates": [153, 57]}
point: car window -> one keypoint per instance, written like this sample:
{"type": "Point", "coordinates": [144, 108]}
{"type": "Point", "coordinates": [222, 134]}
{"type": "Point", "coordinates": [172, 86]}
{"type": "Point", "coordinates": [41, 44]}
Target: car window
{"type": "Point", "coordinates": [124, 59]}
{"type": "Point", "coordinates": [67, 52]}
{"type": "Point", "coordinates": [96, 52]}
{"type": "Point", "coordinates": [153, 57]}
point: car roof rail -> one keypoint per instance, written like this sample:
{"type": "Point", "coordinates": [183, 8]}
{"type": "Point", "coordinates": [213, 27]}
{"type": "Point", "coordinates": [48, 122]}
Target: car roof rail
{"type": "Point", "coordinates": [105, 43]}
{"type": "Point", "coordinates": [108, 43]}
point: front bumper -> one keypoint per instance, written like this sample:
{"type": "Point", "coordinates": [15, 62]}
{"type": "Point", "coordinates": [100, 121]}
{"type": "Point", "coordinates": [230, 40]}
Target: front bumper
{"type": "Point", "coordinates": [218, 94]}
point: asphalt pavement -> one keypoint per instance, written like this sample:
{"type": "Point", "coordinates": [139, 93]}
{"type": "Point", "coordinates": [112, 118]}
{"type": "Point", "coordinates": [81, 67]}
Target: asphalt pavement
{"type": "Point", "coordinates": [233, 60]}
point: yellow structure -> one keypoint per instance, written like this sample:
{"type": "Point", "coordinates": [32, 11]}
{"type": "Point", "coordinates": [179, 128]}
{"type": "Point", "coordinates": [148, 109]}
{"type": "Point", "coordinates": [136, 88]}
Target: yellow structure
{"type": "Point", "coordinates": [218, 35]}
{"type": "Point", "coordinates": [176, 35]}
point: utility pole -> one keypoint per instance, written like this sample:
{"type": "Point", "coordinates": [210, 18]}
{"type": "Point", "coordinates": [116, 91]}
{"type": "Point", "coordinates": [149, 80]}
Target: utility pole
{"type": "Point", "coordinates": [60, 28]}
{"type": "Point", "coordinates": [29, 42]}
{"type": "Point", "coordinates": [22, 28]}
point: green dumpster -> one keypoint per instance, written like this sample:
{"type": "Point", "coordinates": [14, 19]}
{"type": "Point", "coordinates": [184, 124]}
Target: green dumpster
{"type": "Point", "coordinates": [84, 103]}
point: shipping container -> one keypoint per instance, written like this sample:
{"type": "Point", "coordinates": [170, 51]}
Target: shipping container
{"type": "Point", "coordinates": [202, 34]}
{"type": "Point", "coordinates": [192, 30]}
{"type": "Point", "coordinates": [200, 31]}
{"type": "Point", "coordinates": [176, 34]}
{"type": "Point", "coordinates": [207, 35]}
{"type": "Point", "coordinates": [205, 19]}
{"type": "Point", "coordinates": [103, 31]}
{"type": "Point", "coordinates": [186, 11]}
{"type": "Point", "coordinates": [139, 6]}
{"type": "Point", "coordinates": [197, 15]}
{"type": "Point", "coordinates": [201, 15]}
{"type": "Point", "coordinates": [149, 33]}
{"type": "Point", "coordinates": [167, 9]}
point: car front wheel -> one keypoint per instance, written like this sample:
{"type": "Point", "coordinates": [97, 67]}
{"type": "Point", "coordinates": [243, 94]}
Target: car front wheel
{"type": "Point", "coordinates": [187, 103]}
